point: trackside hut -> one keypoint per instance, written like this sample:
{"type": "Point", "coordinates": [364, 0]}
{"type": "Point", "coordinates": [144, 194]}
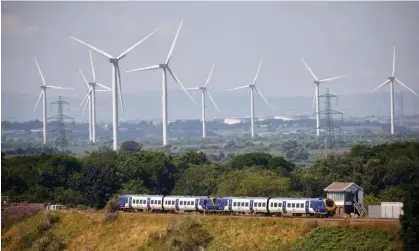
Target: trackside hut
{"type": "Point", "coordinates": [345, 195]}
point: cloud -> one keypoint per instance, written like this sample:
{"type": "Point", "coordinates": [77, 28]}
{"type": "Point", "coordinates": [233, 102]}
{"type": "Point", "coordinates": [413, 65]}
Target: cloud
{"type": "Point", "coordinates": [12, 25]}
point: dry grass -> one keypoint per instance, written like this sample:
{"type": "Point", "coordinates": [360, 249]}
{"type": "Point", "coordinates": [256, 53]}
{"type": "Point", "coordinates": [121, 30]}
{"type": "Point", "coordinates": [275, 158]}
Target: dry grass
{"type": "Point", "coordinates": [86, 231]}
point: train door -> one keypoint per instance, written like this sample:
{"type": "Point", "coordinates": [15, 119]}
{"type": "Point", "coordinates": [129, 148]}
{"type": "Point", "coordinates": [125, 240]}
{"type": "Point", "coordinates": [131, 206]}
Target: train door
{"type": "Point", "coordinates": [230, 204]}
{"type": "Point", "coordinates": [307, 206]}
{"type": "Point", "coordinates": [284, 206]}
{"type": "Point", "coordinates": [251, 206]}
{"type": "Point", "coordinates": [129, 202]}
{"type": "Point", "coordinates": [148, 203]}
{"type": "Point", "coordinates": [196, 204]}
{"type": "Point", "coordinates": [177, 204]}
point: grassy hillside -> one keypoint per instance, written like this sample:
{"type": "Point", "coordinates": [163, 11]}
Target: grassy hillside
{"type": "Point", "coordinates": [89, 231]}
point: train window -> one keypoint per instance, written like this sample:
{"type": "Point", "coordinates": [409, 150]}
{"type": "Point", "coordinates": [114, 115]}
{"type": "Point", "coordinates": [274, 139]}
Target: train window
{"type": "Point", "coordinates": [173, 202]}
{"type": "Point", "coordinates": [189, 203]}
{"type": "Point", "coordinates": [192, 203]}
{"type": "Point", "coordinates": [234, 204]}
{"type": "Point", "coordinates": [298, 205]}
{"type": "Point", "coordinates": [289, 205]}
{"type": "Point", "coordinates": [272, 204]}
{"type": "Point", "coordinates": [152, 202]}
{"type": "Point", "coordinates": [242, 204]}
{"type": "Point", "coordinates": [302, 205]}
{"type": "Point", "coordinates": [181, 203]}
{"type": "Point", "coordinates": [165, 202]}
{"type": "Point", "coordinates": [263, 204]}
{"type": "Point", "coordinates": [293, 205]}
{"type": "Point", "coordinates": [159, 202]}
{"type": "Point", "coordinates": [247, 204]}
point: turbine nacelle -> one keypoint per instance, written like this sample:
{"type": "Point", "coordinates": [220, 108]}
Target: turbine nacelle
{"type": "Point", "coordinates": [114, 61]}
{"type": "Point", "coordinates": [163, 66]}
{"type": "Point", "coordinates": [391, 78]}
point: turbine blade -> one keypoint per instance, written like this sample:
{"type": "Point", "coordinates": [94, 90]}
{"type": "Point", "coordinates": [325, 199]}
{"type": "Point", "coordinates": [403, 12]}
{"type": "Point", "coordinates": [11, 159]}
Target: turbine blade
{"type": "Point", "coordinates": [169, 56]}
{"type": "Point", "coordinates": [378, 87]}
{"type": "Point", "coordinates": [241, 87]}
{"type": "Point", "coordinates": [85, 80]}
{"type": "Point", "coordinates": [93, 48]}
{"type": "Point", "coordinates": [257, 72]}
{"type": "Point", "coordinates": [308, 68]}
{"type": "Point", "coordinates": [193, 88]}
{"type": "Point", "coordinates": [85, 106]}
{"type": "Point", "coordinates": [264, 99]}
{"type": "Point", "coordinates": [405, 86]}
{"type": "Point", "coordinates": [153, 67]}
{"type": "Point", "coordinates": [58, 87]}
{"type": "Point", "coordinates": [209, 76]}
{"type": "Point", "coordinates": [93, 68]}
{"type": "Point", "coordinates": [314, 99]}
{"type": "Point", "coordinates": [104, 86]}
{"type": "Point", "coordinates": [87, 96]}
{"type": "Point", "coordinates": [212, 100]}
{"type": "Point", "coordinates": [394, 61]}
{"type": "Point", "coordinates": [180, 83]}
{"type": "Point", "coordinates": [103, 90]}
{"type": "Point", "coordinates": [120, 89]}
{"type": "Point", "coordinates": [37, 102]}
{"type": "Point", "coordinates": [330, 79]}
{"type": "Point", "coordinates": [123, 54]}
{"type": "Point", "coordinates": [40, 72]}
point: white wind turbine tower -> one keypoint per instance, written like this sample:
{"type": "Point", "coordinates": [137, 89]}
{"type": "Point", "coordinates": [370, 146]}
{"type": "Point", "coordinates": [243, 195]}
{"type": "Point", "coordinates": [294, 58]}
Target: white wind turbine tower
{"type": "Point", "coordinates": [91, 100]}
{"type": "Point", "coordinates": [316, 99]}
{"type": "Point", "coordinates": [204, 91]}
{"type": "Point", "coordinates": [44, 88]}
{"type": "Point", "coordinates": [391, 81]}
{"type": "Point", "coordinates": [166, 68]}
{"type": "Point", "coordinates": [116, 82]}
{"type": "Point", "coordinates": [252, 105]}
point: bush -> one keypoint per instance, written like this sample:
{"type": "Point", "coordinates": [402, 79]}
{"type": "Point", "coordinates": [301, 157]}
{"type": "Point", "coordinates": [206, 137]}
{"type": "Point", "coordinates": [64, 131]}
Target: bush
{"type": "Point", "coordinates": [48, 242]}
{"type": "Point", "coordinates": [48, 222]}
{"type": "Point", "coordinates": [111, 206]}
{"type": "Point", "coordinates": [184, 235]}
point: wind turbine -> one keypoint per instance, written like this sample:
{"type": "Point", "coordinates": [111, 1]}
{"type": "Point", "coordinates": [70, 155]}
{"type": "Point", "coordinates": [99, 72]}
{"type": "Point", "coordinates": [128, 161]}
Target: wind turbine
{"type": "Point", "coordinates": [252, 105]}
{"type": "Point", "coordinates": [91, 100]}
{"type": "Point", "coordinates": [166, 68]}
{"type": "Point", "coordinates": [316, 94]}
{"type": "Point", "coordinates": [204, 90]}
{"type": "Point", "coordinates": [391, 80]}
{"type": "Point", "coordinates": [44, 88]}
{"type": "Point", "coordinates": [116, 82]}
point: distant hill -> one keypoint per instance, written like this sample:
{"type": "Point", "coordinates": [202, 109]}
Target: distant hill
{"type": "Point", "coordinates": [147, 106]}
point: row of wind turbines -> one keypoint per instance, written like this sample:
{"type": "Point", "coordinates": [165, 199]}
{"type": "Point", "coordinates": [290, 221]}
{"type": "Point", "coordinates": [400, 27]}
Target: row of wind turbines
{"type": "Point", "coordinates": [116, 90]}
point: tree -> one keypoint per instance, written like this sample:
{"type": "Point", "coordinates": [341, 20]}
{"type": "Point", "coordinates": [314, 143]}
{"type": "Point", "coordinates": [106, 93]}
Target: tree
{"type": "Point", "coordinates": [130, 146]}
{"type": "Point", "coordinates": [409, 221]}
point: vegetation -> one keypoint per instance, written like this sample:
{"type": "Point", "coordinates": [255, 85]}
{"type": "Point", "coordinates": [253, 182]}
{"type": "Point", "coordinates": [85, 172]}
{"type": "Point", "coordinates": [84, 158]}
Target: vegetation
{"type": "Point", "coordinates": [87, 231]}
{"type": "Point", "coordinates": [347, 239]}
{"type": "Point", "coordinates": [383, 171]}
{"type": "Point", "coordinates": [386, 172]}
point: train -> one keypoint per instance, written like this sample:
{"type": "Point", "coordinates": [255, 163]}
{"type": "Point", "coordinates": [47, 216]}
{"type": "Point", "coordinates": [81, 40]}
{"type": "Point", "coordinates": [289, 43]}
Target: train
{"type": "Point", "coordinates": [268, 206]}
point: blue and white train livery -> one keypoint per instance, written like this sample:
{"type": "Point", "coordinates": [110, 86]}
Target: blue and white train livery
{"type": "Point", "coordinates": [275, 206]}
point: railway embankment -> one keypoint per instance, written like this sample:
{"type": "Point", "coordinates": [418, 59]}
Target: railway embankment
{"type": "Point", "coordinates": [79, 230]}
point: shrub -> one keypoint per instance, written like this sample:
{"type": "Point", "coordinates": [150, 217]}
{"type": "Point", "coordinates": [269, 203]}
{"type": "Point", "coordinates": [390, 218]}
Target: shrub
{"type": "Point", "coordinates": [48, 242]}
{"type": "Point", "coordinates": [111, 206]}
{"type": "Point", "coordinates": [184, 235]}
{"type": "Point", "coordinates": [48, 222]}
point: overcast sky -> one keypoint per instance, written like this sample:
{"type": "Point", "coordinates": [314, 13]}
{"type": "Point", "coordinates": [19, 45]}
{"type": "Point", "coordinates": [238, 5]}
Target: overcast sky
{"type": "Point", "coordinates": [353, 38]}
